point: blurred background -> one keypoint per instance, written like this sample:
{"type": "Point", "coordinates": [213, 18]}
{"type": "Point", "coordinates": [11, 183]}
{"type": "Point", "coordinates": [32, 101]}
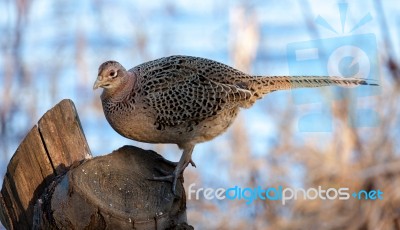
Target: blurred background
{"type": "Point", "coordinates": [51, 50]}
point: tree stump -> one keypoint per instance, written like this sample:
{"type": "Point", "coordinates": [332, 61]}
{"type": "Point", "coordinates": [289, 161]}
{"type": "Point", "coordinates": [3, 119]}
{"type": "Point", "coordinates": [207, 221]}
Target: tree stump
{"type": "Point", "coordinates": [52, 182]}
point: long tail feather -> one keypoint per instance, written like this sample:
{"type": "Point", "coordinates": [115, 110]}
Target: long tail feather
{"type": "Point", "coordinates": [273, 83]}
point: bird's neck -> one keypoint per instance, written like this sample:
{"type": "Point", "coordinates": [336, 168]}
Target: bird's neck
{"type": "Point", "coordinates": [123, 90]}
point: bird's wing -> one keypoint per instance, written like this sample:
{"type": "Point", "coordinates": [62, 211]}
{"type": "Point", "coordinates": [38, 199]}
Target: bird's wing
{"type": "Point", "coordinates": [180, 95]}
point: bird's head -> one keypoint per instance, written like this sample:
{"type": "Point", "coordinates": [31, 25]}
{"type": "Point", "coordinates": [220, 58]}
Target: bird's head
{"type": "Point", "coordinates": [111, 75]}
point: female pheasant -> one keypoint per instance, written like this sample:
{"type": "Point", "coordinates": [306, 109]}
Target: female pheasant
{"type": "Point", "coordinates": [186, 100]}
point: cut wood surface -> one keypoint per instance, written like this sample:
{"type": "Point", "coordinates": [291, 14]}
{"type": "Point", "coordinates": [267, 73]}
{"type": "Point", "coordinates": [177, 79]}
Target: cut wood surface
{"type": "Point", "coordinates": [113, 192]}
{"type": "Point", "coordinates": [52, 182]}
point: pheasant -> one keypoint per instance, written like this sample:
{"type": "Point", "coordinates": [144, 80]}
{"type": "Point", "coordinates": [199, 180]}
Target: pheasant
{"type": "Point", "coordinates": [187, 100]}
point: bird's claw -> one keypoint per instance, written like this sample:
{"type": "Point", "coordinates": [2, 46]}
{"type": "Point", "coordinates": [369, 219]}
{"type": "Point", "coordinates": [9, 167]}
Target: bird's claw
{"type": "Point", "coordinates": [172, 178]}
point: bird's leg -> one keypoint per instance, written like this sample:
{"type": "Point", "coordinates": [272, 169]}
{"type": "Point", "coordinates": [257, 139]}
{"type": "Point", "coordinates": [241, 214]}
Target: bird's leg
{"type": "Point", "coordinates": [186, 158]}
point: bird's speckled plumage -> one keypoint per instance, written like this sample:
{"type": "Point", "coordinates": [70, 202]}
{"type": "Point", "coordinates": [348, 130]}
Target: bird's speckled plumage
{"type": "Point", "coordinates": [187, 100]}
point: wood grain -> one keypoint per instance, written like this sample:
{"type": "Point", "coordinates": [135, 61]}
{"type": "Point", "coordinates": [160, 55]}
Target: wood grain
{"type": "Point", "coordinates": [113, 192]}
{"type": "Point", "coordinates": [52, 182]}
{"type": "Point", "coordinates": [47, 150]}
{"type": "Point", "coordinates": [63, 137]}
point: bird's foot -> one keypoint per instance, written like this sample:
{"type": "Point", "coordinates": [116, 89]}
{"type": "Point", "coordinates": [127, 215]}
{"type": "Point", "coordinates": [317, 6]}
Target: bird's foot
{"type": "Point", "coordinates": [172, 178]}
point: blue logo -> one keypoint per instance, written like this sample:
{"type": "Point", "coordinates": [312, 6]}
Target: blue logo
{"type": "Point", "coordinates": [249, 195]}
{"type": "Point", "coordinates": [346, 55]}
{"type": "Point", "coordinates": [368, 195]}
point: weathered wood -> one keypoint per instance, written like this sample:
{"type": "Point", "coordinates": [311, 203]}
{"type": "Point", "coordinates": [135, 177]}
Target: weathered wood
{"type": "Point", "coordinates": [48, 150]}
{"type": "Point", "coordinates": [63, 137]}
{"type": "Point", "coordinates": [26, 178]}
{"type": "Point", "coordinates": [113, 192]}
{"type": "Point", "coordinates": [51, 183]}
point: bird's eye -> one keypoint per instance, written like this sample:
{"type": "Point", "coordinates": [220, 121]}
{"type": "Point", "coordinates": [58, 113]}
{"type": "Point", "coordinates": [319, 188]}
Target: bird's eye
{"type": "Point", "coordinates": [113, 74]}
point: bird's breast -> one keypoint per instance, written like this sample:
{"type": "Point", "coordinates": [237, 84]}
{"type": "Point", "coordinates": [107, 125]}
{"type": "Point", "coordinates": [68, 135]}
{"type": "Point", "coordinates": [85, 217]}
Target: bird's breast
{"type": "Point", "coordinates": [140, 123]}
{"type": "Point", "coordinates": [131, 122]}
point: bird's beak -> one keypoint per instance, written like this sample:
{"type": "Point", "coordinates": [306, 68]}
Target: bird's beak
{"type": "Point", "coordinates": [97, 83]}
